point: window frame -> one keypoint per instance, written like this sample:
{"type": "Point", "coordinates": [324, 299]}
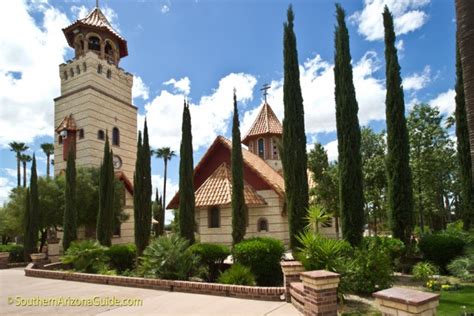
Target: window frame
{"type": "Point", "coordinates": [211, 213]}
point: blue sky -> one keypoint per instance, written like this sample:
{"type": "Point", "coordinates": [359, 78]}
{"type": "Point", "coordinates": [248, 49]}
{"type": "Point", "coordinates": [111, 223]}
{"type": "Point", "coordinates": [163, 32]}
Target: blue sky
{"type": "Point", "coordinates": [203, 49]}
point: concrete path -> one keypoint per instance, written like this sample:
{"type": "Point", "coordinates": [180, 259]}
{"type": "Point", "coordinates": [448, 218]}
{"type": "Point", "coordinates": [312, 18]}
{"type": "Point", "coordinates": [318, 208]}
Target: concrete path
{"type": "Point", "coordinates": [15, 289]}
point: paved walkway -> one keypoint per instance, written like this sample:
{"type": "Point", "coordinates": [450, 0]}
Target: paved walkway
{"type": "Point", "coordinates": [14, 286]}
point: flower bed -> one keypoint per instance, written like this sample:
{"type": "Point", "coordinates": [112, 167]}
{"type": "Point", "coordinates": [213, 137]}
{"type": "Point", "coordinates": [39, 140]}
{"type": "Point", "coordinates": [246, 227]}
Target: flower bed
{"type": "Point", "coordinates": [238, 291]}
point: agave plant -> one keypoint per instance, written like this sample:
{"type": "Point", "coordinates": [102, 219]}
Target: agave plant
{"type": "Point", "coordinates": [86, 256]}
{"type": "Point", "coordinates": [316, 216]}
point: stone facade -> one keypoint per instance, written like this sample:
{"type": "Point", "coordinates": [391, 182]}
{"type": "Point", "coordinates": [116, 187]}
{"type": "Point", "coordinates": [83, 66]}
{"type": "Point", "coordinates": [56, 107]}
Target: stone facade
{"type": "Point", "coordinates": [277, 223]}
{"type": "Point", "coordinates": [98, 94]}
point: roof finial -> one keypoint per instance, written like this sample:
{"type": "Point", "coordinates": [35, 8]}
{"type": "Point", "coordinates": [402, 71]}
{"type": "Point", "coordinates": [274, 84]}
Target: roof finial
{"type": "Point", "coordinates": [266, 86]}
{"type": "Point", "coordinates": [96, 3]}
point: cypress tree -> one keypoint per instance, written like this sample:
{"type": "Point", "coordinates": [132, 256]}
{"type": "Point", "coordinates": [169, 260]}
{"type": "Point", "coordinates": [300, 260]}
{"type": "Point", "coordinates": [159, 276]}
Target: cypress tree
{"type": "Point", "coordinates": [158, 215]}
{"type": "Point", "coordinates": [70, 206]}
{"type": "Point", "coordinates": [463, 147]}
{"type": "Point", "coordinates": [400, 195]}
{"type": "Point", "coordinates": [294, 158]}
{"type": "Point", "coordinates": [239, 209]}
{"type": "Point", "coordinates": [142, 192]}
{"type": "Point", "coordinates": [186, 181]}
{"type": "Point", "coordinates": [105, 218]}
{"type": "Point", "coordinates": [351, 193]}
{"type": "Point", "coordinates": [32, 213]}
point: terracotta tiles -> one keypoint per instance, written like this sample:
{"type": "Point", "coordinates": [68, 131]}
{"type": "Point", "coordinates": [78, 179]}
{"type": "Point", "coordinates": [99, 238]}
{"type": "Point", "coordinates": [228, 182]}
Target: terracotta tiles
{"type": "Point", "coordinates": [67, 123]}
{"type": "Point", "coordinates": [266, 123]}
{"type": "Point", "coordinates": [217, 190]}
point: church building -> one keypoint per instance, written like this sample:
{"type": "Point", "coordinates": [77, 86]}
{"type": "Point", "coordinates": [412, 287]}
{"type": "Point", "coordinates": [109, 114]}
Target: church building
{"type": "Point", "coordinates": [95, 103]}
{"type": "Point", "coordinates": [264, 186]}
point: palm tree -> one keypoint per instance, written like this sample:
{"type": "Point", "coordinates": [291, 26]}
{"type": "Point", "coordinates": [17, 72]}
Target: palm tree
{"type": "Point", "coordinates": [316, 216]}
{"type": "Point", "coordinates": [166, 154]}
{"type": "Point", "coordinates": [24, 159]}
{"type": "Point", "coordinates": [48, 150]}
{"type": "Point", "coordinates": [18, 148]}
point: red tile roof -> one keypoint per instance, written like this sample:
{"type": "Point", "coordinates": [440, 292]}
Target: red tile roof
{"type": "Point", "coordinates": [217, 190]}
{"type": "Point", "coordinates": [266, 123]}
{"type": "Point", "coordinates": [96, 19]}
{"type": "Point", "coordinates": [68, 123]}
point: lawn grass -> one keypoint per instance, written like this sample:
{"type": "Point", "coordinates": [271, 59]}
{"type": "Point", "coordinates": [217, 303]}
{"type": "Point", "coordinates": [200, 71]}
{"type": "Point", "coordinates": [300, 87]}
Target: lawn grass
{"type": "Point", "coordinates": [451, 302]}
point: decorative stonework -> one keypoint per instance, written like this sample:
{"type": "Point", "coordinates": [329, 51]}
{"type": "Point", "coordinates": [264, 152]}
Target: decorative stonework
{"type": "Point", "coordinates": [406, 302]}
{"type": "Point", "coordinates": [320, 289]}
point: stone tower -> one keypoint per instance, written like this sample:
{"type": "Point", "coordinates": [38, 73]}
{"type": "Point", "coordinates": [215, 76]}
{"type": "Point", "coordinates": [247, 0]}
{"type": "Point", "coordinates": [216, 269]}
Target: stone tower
{"type": "Point", "coordinates": [96, 102]}
{"type": "Point", "coordinates": [263, 137]}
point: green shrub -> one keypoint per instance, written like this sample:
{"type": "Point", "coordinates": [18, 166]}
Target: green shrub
{"type": "Point", "coordinates": [321, 253]}
{"type": "Point", "coordinates": [463, 268]}
{"type": "Point", "coordinates": [423, 271]}
{"type": "Point", "coordinates": [262, 255]}
{"type": "Point", "coordinates": [168, 258]}
{"type": "Point", "coordinates": [393, 246]}
{"type": "Point", "coordinates": [372, 268]}
{"type": "Point", "coordinates": [441, 248]}
{"type": "Point", "coordinates": [211, 256]}
{"type": "Point", "coordinates": [237, 274]}
{"type": "Point", "coordinates": [87, 256]}
{"type": "Point", "coordinates": [17, 253]}
{"type": "Point", "coordinates": [122, 257]}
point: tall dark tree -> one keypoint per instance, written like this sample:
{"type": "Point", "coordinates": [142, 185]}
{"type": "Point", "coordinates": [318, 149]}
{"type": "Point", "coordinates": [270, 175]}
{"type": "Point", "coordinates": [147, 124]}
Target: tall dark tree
{"type": "Point", "coordinates": [351, 192]}
{"type": "Point", "coordinates": [294, 158]}
{"type": "Point", "coordinates": [400, 195]}
{"type": "Point", "coordinates": [186, 181]}
{"type": "Point", "coordinates": [142, 192]}
{"type": "Point", "coordinates": [239, 209]}
{"type": "Point", "coordinates": [463, 147]}
{"type": "Point", "coordinates": [70, 206]}
{"type": "Point", "coordinates": [18, 149]}
{"type": "Point", "coordinates": [166, 154]}
{"type": "Point", "coordinates": [105, 218]}
{"type": "Point", "coordinates": [32, 213]}
{"type": "Point", "coordinates": [158, 215]}
{"type": "Point", "coordinates": [27, 238]}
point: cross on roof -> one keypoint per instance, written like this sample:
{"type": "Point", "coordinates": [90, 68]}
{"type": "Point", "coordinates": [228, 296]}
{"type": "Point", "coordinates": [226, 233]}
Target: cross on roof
{"type": "Point", "coordinates": [96, 3]}
{"type": "Point", "coordinates": [265, 91]}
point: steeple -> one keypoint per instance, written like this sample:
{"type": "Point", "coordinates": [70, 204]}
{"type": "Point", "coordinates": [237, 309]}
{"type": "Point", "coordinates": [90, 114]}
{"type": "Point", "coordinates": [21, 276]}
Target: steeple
{"type": "Point", "coordinates": [95, 33]}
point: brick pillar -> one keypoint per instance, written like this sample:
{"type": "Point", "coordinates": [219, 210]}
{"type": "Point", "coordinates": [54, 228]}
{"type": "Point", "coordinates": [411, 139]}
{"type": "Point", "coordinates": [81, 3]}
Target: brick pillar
{"type": "Point", "coordinates": [4, 258]}
{"type": "Point", "coordinates": [53, 249]}
{"type": "Point", "coordinates": [401, 301]}
{"type": "Point", "coordinates": [291, 273]}
{"type": "Point", "coordinates": [320, 289]}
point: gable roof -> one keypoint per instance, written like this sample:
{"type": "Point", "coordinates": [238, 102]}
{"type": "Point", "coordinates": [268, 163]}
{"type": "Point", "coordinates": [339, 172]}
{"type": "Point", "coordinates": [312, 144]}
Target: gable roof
{"type": "Point", "coordinates": [256, 164]}
{"type": "Point", "coordinates": [97, 19]}
{"type": "Point", "coordinates": [68, 123]}
{"type": "Point", "coordinates": [217, 190]}
{"type": "Point", "coordinates": [265, 123]}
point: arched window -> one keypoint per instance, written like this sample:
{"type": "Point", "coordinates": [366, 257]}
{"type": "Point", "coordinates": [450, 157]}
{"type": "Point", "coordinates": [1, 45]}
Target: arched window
{"type": "Point", "coordinates": [115, 136]}
{"type": "Point", "coordinates": [78, 69]}
{"type": "Point", "coordinates": [109, 73]}
{"type": "Point", "coordinates": [84, 66]}
{"type": "Point", "coordinates": [65, 75]}
{"type": "Point", "coordinates": [81, 133]}
{"type": "Point", "coordinates": [261, 148]}
{"type": "Point", "coordinates": [60, 140]}
{"type": "Point", "coordinates": [262, 224]}
{"type": "Point", "coordinates": [99, 69]}
{"type": "Point", "coordinates": [94, 43]}
{"type": "Point", "coordinates": [71, 71]}
{"type": "Point", "coordinates": [275, 148]}
{"type": "Point", "coordinates": [214, 217]}
{"type": "Point", "coordinates": [100, 135]}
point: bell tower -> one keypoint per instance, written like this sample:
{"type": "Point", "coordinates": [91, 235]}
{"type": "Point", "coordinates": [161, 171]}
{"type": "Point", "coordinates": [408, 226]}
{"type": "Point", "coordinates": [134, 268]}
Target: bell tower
{"type": "Point", "coordinates": [96, 102]}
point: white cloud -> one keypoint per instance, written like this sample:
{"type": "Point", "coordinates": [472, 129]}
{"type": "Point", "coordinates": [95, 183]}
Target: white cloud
{"type": "Point", "coordinates": [171, 189]}
{"type": "Point", "coordinates": [10, 172]}
{"type": "Point", "coordinates": [165, 8]}
{"type": "Point", "coordinates": [445, 102]}
{"type": "Point", "coordinates": [28, 58]}
{"type": "Point", "coordinates": [182, 85]}
{"type": "Point", "coordinates": [417, 81]}
{"type": "Point", "coordinates": [407, 15]}
{"type": "Point", "coordinates": [317, 85]}
{"type": "Point", "coordinates": [209, 117]}
{"type": "Point", "coordinates": [112, 17]}
{"type": "Point", "coordinates": [332, 151]}
{"type": "Point", "coordinates": [139, 88]}
{"type": "Point", "coordinates": [400, 45]}
{"type": "Point", "coordinates": [79, 12]}
{"type": "Point", "coordinates": [5, 187]}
